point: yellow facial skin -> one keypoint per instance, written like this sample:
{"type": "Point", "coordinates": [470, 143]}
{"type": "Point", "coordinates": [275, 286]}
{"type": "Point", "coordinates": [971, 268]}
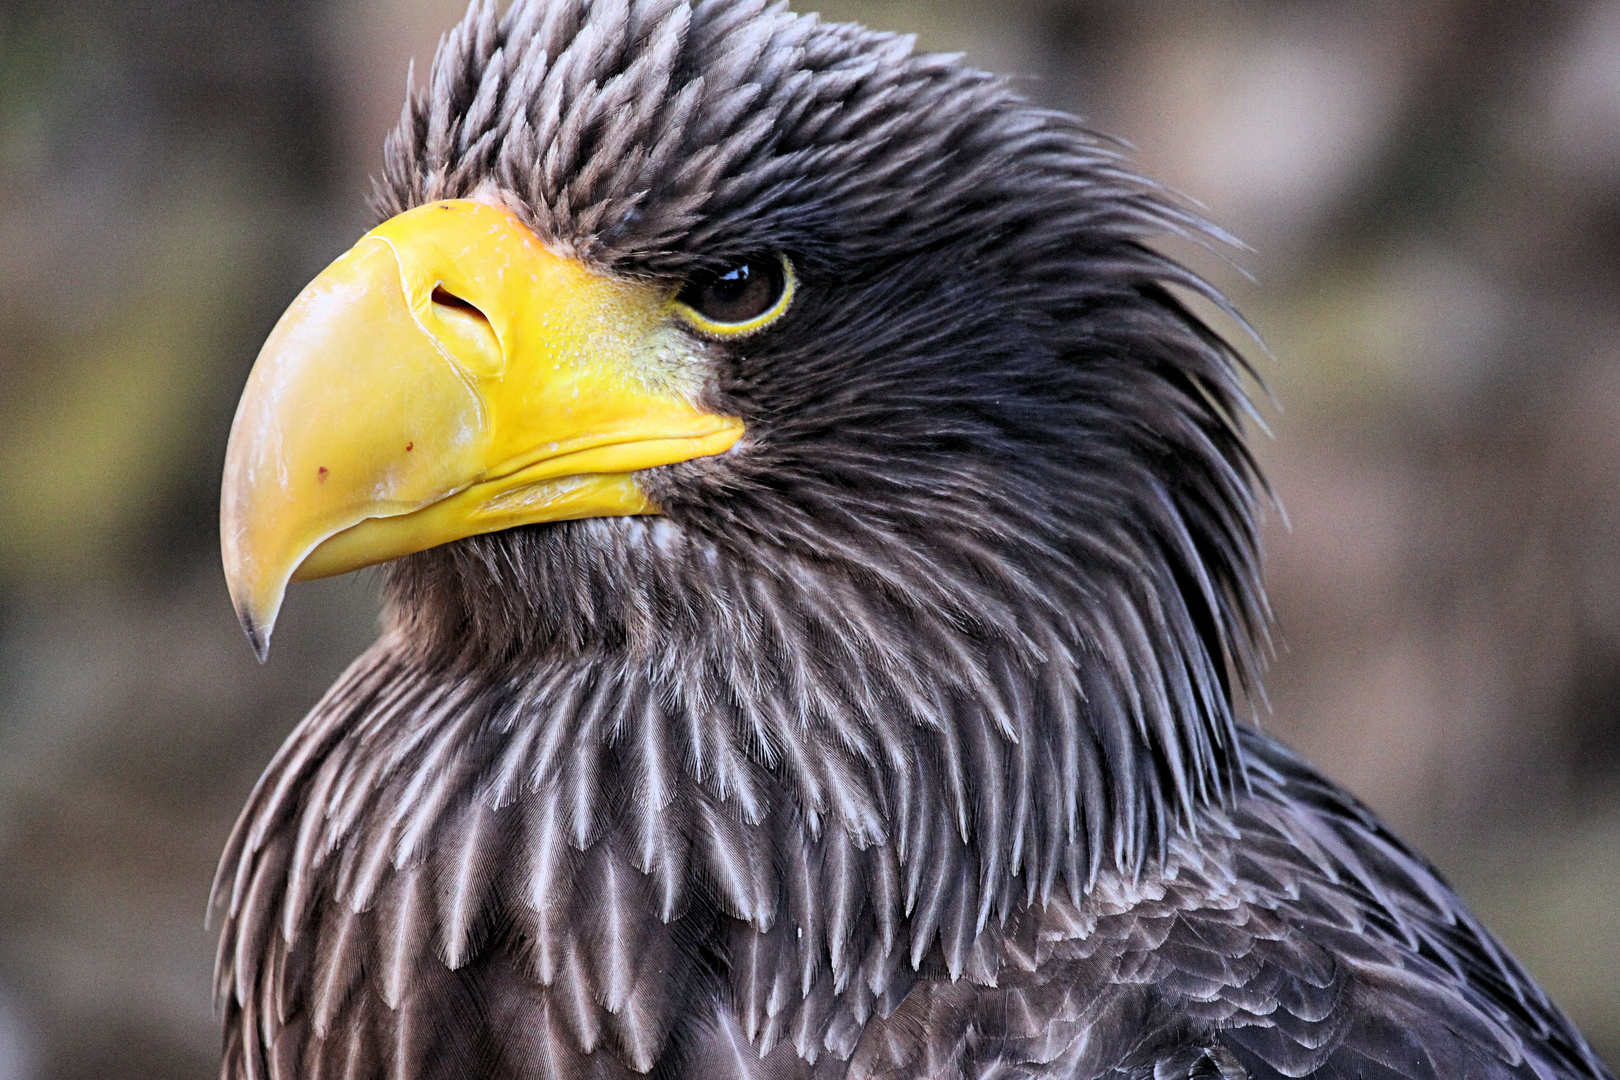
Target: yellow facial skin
{"type": "Point", "coordinates": [447, 376]}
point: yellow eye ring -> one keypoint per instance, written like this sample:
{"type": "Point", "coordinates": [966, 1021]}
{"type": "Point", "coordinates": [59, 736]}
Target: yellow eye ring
{"type": "Point", "coordinates": [739, 301]}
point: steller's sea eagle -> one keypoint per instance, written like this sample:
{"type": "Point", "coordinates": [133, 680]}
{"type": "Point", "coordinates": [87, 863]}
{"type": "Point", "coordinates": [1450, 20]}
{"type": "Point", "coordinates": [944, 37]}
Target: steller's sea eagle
{"type": "Point", "coordinates": [822, 560]}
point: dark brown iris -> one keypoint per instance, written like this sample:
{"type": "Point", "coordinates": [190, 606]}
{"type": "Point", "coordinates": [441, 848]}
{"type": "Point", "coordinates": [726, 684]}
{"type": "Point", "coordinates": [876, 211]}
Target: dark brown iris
{"type": "Point", "coordinates": [746, 291]}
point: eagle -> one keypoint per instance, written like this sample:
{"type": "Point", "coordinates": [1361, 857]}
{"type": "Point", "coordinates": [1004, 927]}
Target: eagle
{"type": "Point", "coordinates": [822, 586]}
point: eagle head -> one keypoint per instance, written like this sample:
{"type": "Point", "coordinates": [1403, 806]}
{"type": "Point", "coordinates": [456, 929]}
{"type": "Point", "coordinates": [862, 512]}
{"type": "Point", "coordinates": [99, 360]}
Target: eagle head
{"type": "Point", "coordinates": [821, 559]}
{"type": "Point", "coordinates": [781, 425]}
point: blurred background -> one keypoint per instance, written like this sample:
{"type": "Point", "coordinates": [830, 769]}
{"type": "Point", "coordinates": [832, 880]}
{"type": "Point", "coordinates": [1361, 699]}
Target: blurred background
{"type": "Point", "coordinates": [1431, 191]}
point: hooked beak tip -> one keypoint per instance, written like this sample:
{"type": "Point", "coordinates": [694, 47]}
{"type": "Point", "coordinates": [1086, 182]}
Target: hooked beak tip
{"type": "Point", "coordinates": [258, 636]}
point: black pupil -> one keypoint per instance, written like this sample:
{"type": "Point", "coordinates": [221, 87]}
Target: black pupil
{"type": "Point", "coordinates": [744, 292]}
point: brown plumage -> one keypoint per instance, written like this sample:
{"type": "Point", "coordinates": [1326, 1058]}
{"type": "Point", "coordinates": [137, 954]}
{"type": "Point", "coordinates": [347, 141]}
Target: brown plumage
{"type": "Point", "coordinates": [902, 743]}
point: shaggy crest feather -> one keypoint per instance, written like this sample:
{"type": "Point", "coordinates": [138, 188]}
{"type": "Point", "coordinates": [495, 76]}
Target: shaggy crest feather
{"type": "Point", "coordinates": [903, 742]}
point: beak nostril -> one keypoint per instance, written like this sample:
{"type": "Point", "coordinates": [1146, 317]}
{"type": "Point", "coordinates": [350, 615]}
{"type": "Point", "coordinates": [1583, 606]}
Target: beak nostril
{"type": "Point", "coordinates": [445, 298]}
{"type": "Point", "coordinates": [465, 330]}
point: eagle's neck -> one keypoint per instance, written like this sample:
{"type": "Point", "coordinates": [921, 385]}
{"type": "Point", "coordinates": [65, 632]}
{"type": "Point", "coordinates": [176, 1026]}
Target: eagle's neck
{"type": "Point", "coordinates": [789, 762]}
{"type": "Point", "coordinates": [1051, 733]}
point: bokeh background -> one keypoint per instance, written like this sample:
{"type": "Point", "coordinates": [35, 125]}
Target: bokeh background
{"type": "Point", "coordinates": [1431, 193]}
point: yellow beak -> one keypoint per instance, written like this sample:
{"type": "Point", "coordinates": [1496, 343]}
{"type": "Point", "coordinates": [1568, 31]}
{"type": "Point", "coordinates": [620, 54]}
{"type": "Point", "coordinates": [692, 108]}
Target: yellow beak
{"type": "Point", "coordinates": [448, 376]}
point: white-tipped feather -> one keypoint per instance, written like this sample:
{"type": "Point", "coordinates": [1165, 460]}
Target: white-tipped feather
{"type": "Point", "coordinates": [618, 924]}
{"type": "Point", "coordinates": [464, 881]}
{"type": "Point", "coordinates": [338, 966]}
{"type": "Point", "coordinates": [546, 892]}
{"type": "Point", "coordinates": [405, 919]}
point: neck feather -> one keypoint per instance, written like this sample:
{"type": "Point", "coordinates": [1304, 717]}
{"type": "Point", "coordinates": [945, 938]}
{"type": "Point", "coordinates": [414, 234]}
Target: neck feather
{"type": "Point", "coordinates": [1055, 720]}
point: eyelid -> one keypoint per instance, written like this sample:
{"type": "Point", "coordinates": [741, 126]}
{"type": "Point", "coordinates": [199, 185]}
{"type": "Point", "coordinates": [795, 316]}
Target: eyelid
{"type": "Point", "coordinates": [726, 331]}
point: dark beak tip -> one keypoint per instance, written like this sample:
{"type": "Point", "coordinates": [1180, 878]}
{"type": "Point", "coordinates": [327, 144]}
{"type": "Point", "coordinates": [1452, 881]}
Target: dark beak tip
{"type": "Point", "coordinates": [258, 638]}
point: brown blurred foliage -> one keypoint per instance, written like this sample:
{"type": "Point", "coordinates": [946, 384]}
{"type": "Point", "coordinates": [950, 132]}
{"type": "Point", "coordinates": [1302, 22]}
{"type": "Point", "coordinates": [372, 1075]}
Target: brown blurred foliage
{"type": "Point", "coordinates": [1431, 195]}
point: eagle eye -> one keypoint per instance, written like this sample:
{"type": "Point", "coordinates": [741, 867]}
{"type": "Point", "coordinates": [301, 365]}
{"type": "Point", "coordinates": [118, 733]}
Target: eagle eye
{"type": "Point", "coordinates": [738, 300]}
